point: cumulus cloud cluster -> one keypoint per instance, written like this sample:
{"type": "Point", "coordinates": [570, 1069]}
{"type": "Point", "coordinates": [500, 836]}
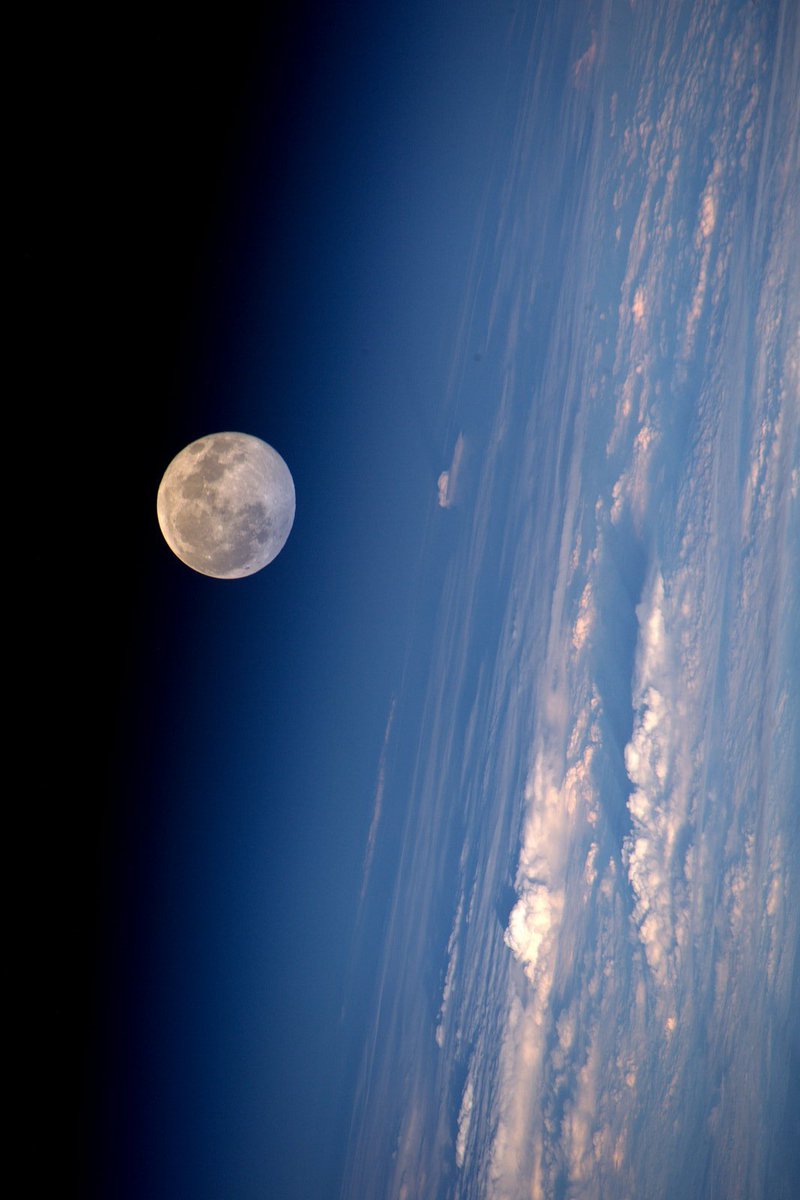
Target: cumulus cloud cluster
{"type": "Point", "coordinates": [655, 759]}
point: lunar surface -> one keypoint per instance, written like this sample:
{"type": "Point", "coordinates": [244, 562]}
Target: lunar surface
{"type": "Point", "coordinates": [226, 505]}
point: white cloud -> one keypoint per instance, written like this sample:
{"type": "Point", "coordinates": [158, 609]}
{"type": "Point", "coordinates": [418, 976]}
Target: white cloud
{"type": "Point", "coordinates": [585, 619]}
{"type": "Point", "coordinates": [582, 1145]}
{"type": "Point", "coordinates": [464, 1118]}
{"type": "Point", "coordinates": [531, 922]}
{"type": "Point", "coordinates": [582, 66]}
{"type": "Point", "coordinates": [449, 479]}
{"type": "Point", "coordinates": [377, 806]}
{"type": "Point", "coordinates": [655, 759]}
{"type": "Point", "coordinates": [633, 486]}
{"type": "Point", "coordinates": [452, 963]}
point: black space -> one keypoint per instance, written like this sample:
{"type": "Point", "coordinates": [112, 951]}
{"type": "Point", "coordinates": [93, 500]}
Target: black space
{"type": "Point", "coordinates": [131, 128]}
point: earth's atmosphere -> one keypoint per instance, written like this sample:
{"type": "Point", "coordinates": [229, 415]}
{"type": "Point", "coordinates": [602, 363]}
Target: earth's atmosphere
{"type": "Point", "coordinates": [610, 724]}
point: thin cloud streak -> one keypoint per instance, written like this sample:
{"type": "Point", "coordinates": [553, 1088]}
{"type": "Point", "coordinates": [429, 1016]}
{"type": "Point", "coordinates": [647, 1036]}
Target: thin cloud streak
{"type": "Point", "coordinates": [377, 807]}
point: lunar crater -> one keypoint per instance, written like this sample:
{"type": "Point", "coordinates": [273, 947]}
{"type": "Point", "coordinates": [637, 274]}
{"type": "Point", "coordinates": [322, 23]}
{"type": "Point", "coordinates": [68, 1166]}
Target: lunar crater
{"type": "Point", "coordinates": [226, 505]}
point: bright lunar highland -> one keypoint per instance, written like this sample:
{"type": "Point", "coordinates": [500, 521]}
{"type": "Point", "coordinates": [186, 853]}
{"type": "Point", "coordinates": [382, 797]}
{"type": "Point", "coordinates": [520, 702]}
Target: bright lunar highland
{"type": "Point", "coordinates": [226, 505]}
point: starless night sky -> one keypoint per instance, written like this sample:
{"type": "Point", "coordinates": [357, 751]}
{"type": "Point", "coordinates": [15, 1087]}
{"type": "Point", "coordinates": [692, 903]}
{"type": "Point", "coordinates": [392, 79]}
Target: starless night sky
{"type": "Point", "coordinates": [262, 223]}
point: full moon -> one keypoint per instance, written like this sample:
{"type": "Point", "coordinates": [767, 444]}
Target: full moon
{"type": "Point", "coordinates": [226, 505]}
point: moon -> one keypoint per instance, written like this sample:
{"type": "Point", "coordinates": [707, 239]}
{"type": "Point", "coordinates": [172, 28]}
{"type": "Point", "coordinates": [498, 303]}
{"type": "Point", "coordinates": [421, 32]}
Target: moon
{"type": "Point", "coordinates": [226, 505]}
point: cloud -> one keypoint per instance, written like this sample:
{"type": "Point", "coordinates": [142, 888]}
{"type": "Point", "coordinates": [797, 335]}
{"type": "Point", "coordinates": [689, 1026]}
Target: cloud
{"type": "Point", "coordinates": [530, 923]}
{"type": "Point", "coordinates": [448, 480]}
{"type": "Point", "coordinates": [546, 928]}
{"type": "Point", "coordinates": [377, 807]}
{"type": "Point", "coordinates": [654, 760]}
{"type": "Point", "coordinates": [452, 964]}
{"type": "Point", "coordinates": [583, 1148]}
{"type": "Point", "coordinates": [464, 1118]}
{"type": "Point", "coordinates": [585, 619]}
{"type": "Point", "coordinates": [621, 1013]}
{"type": "Point", "coordinates": [582, 66]}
